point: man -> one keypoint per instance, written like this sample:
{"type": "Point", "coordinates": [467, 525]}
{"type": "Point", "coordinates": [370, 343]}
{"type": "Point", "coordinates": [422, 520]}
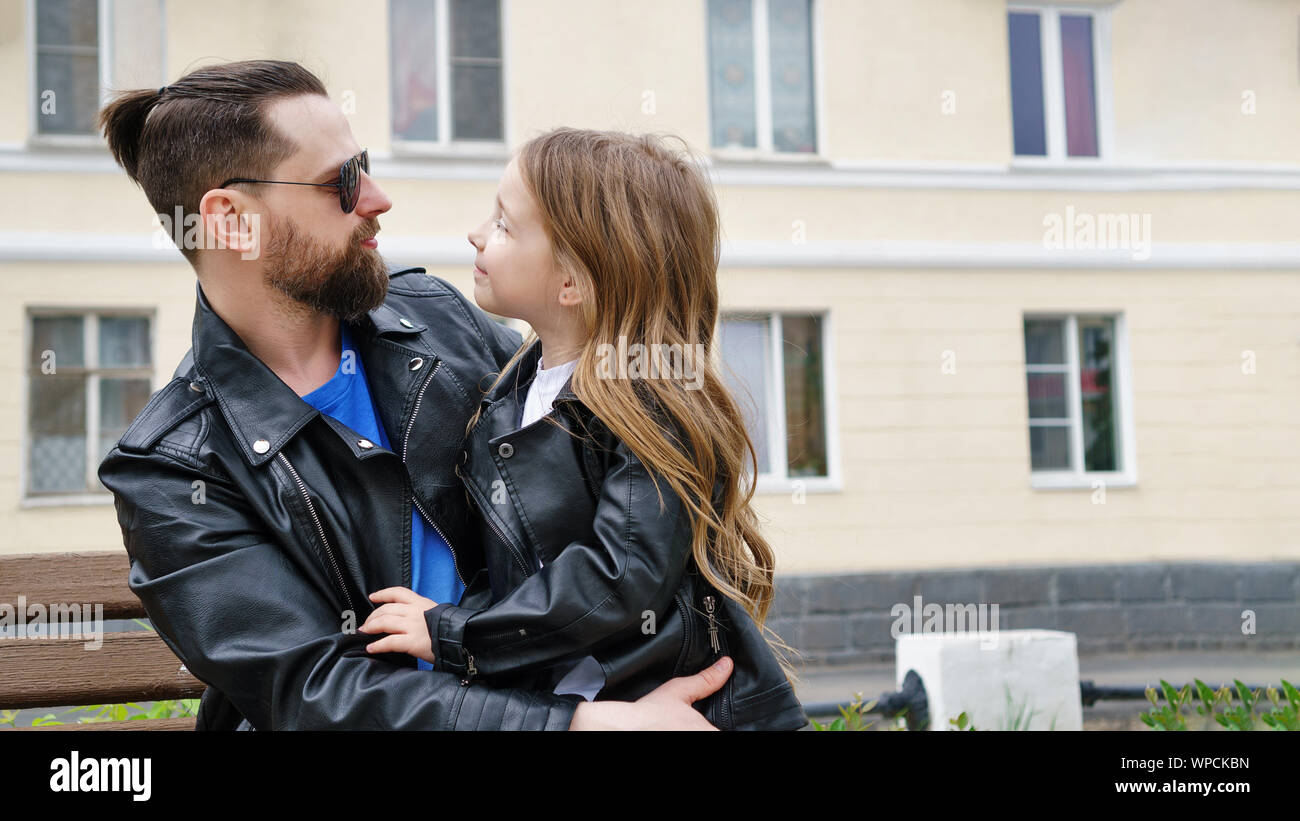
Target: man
{"type": "Point", "coordinates": [304, 454]}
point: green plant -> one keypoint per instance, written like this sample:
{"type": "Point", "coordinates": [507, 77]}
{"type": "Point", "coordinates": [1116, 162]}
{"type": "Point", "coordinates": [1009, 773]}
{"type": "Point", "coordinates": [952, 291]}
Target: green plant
{"type": "Point", "coordinates": [1283, 717]}
{"type": "Point", "coordinates": [1218, 705]}
{"type": "Point", "coordinates": [961, 722]}
{"type": "Point", "coordinates": [851, 717]}
{"type": "Point", "coordinates": [1170, 716]}
{"type": "Point", "coordinates": [1236, 717]}
{"type": "Point", "coordinates": [1017, 718]}
{"type": "Point", "coordinates": [98, 713]}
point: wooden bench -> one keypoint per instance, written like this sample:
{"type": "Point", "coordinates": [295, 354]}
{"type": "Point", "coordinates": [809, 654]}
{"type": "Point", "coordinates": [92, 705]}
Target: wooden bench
{"type": "Point", "coordinates": [60, 672]}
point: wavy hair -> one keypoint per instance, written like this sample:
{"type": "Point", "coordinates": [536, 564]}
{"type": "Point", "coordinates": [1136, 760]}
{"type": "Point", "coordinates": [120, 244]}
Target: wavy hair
{"type": "Point", "coordinates": [636, 224]}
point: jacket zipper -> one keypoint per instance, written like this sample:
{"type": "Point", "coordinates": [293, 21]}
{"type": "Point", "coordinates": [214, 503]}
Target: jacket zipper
{"type": "Point", "coordinates": [724, 697]}
{"type": "Point", "coordinates": [311, 508]}
{"type": "Point", "coordinates": [514, 551]}
{"type": "Point", "coordinates": [713, 623]}
{"type": "Point", "coordinates": [470, 670]}
{"type": "Point", "coordinates": [406, 441]}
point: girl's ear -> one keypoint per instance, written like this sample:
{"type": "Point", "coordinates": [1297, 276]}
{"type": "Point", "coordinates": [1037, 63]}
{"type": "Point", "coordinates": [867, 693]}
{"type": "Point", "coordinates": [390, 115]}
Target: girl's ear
{"type": "Point", "coordinates": [570, 296]}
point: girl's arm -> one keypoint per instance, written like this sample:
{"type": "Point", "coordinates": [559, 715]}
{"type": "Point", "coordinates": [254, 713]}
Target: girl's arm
{"type": "Point", "coordinates": [592, 590]}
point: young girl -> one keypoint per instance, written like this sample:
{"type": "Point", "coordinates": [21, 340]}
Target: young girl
{"type": "Point", "coordinates": [607, 460]}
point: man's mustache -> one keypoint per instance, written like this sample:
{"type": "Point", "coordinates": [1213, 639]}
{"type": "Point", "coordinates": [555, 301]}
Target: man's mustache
{"type": "Point", "coordinates": [366, 230]}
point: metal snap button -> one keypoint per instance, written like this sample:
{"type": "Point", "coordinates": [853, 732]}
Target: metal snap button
{"type": "Point", "coordinates": [365, 444]}
{"type": "Point", "coordinates": [405, 323]}
{"type": "Point", "coordinates": [197, 387]}
{"type": "Point", "coordinates": [261, 446]}
{"type": "Point", "coordinates": [417, 363]}
{"type": "Point", "coordinates": [506, 450]}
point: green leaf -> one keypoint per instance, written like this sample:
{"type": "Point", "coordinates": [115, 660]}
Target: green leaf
{"type": "Point", "coordinates": [1171, 696]}
{"type": "Point", "coordinates": [1203, 690]}
{"type": "Point", "coordinates": [1244, 693]}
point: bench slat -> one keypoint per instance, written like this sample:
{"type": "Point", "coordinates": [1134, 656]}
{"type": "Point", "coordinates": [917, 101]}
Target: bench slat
{"type": "Point", "coordinates": [56, 672]}
{"type": "Point", "coordinates": [139, 724]}
{"type": "Point", "coordinates": [71, 578]}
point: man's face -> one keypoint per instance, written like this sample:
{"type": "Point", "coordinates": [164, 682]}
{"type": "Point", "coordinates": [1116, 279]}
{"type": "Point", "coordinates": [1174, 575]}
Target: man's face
{"type": "Point", "coordinates": [314, 253]}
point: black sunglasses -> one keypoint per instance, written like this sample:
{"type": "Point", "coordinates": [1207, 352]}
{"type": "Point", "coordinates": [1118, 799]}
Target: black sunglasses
{"type": "Point", "coordinates": [349, 182]}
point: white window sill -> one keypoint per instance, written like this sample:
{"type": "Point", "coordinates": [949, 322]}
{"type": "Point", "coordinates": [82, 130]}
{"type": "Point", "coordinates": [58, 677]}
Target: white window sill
{"type": "Point", "coordinates": [1068, 480]}
{"type": "Point", "coordinates": [60, 141]}
{"type": "Point", "coordinates": [471, 150]}
{"type": "Point", "coordinates": [1071, 164]}
{"type": "Point", "coordinates": [774, 485]}
{"type": "Point", "coordinates": [758, 157]}
{"type": "Point", "coordinates": [67, 500]}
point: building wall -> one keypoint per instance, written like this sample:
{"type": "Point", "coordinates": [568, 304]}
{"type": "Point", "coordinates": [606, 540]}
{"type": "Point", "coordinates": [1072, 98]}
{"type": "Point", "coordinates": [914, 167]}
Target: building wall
{"type": "Point", "coordinates": [917, 230]}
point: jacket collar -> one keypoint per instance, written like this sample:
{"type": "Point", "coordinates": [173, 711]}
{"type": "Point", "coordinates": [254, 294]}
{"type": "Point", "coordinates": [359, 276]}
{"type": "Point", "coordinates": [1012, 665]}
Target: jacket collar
{"type": "Point", "coordinates": [521, 376]}
{"type": "Point", "coordinates": [262, 411]}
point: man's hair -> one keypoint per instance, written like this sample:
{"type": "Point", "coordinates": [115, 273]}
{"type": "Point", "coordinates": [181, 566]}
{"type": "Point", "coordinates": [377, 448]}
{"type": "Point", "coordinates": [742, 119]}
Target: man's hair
{"type": "Point", "coordinates": [181, 141]}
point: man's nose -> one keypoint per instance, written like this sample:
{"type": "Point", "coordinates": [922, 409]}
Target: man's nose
{"type": "Point", "coordinates": [373, 201]}
{"type": "Point", "coordinates": [473, 237]}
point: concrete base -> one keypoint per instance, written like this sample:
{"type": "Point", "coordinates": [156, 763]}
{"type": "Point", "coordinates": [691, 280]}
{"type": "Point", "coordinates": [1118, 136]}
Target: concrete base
{"type": "Point", "coordinates": [1009, 679]}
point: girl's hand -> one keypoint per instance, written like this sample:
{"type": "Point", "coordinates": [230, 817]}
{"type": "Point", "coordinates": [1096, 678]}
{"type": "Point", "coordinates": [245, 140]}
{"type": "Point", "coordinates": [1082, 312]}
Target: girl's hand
{"type": "Point", "coordinates": [403, 619]}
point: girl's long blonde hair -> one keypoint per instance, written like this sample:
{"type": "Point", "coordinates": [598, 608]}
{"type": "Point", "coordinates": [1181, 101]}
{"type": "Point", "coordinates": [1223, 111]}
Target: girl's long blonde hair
{"type": "Point", "coordinates": [636, 224]}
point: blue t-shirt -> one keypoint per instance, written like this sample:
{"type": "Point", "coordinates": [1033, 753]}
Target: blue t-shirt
{"type": "Point", "coordinates": [346, 397]}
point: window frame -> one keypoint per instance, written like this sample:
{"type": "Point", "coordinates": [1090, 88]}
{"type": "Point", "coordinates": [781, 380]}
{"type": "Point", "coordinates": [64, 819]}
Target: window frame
{"type": "Point", "coordinates": [90, 316]}
{"type": "Point", "coordinates": [774, 482]}
{"type": "Point", "coordinates": [765, 151]}
{"type": "Point", "coordinates": [1077, 476]}
{"type": "Point", "coordinates": [445, 145]}
{"type": "Point", "coordinates": [105, 55]}
{"type": "Point", "coordinates": [1054, 84]}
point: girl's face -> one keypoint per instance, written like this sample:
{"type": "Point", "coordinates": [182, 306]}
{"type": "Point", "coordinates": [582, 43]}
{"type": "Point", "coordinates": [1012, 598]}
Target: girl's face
{"type": "Point", "coordinates": [515, 271]}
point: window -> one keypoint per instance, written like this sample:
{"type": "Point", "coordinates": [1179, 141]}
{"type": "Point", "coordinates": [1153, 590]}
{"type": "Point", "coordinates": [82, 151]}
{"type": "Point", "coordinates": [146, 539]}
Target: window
{"type": "Point", "coordinates": [761, 74]}
{"type": "Point", "coordinates": [69, 71]}
{"type": "Point", "coordinates": [79, 48]}
{"type": "Point", "coordinates": [448, 52]}
{"type": "Point", "coordinates": [1079, 407]}
{"type": "Point", "coordinates": [776, 367]}
{"type": "Point", "coordinates": [1059, 85]}
{"type": "Point", "coordinates": [89, 374]}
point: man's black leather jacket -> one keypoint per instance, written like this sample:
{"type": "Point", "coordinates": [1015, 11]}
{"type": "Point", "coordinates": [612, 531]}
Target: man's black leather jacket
{"type": "Point", "coordinates": [257, 526]}
{"type": "Point", "coordinates": [582, 559]}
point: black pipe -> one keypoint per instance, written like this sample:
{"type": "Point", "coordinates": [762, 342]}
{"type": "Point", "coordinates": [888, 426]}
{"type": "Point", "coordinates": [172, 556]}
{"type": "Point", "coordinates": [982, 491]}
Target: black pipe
{"type": "Point", "coordinates": [1092, 693]}
{"type": "Point", "coordinates": [911, 698]}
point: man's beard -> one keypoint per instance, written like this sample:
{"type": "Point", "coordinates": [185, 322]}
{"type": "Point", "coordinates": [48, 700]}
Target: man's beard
{"type": "Point", "coordinates": [346, 284]}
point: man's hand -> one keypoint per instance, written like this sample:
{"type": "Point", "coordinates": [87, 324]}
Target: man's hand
{"type": "Point", "coordinates": [668, 707]}
{"type": "Point", "coordinates": [403, 619]}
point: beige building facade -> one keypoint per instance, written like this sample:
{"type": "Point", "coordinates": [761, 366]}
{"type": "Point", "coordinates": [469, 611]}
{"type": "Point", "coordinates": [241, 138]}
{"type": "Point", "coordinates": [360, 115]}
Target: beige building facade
{"type": "Point", "coordinates": [1006, 284]}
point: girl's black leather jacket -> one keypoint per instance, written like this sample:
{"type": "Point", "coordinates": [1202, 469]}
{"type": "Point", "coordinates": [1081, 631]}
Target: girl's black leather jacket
{"type": "Point", "coordinates": [616, 579]}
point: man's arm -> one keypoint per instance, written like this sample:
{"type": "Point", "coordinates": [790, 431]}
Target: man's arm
{"type": "Point", "coordinates": [236, 608]}
{"type": "Point", "coordinates": [667, 707]}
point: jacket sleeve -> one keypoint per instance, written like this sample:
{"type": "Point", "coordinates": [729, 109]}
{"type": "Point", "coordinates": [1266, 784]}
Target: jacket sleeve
{"type": "Point", "coordinates": [592, 591]}
{"type": "Point", "coordinates": [234, 607]}
{"type": "Point", "coordinates": [502, 342]}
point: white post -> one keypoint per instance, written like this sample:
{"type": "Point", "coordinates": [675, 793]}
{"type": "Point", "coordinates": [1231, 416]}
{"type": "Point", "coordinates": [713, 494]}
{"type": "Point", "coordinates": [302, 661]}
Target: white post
{"type": "Point", "coordinates": [1008, 679]}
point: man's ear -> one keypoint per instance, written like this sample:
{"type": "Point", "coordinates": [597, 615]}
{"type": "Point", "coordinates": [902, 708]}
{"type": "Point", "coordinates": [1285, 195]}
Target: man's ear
{"type": "Point", "coordinates": [228, 224]}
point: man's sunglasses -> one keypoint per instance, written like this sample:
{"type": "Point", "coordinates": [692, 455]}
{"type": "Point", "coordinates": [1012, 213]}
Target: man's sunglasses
{"type": "Point", "coordinates": [349, 182]}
